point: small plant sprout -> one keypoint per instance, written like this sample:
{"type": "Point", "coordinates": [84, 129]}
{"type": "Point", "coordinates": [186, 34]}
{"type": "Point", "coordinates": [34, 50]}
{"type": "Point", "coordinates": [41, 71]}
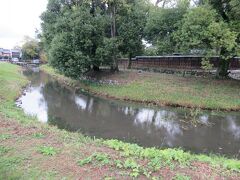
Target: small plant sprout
{"type": "Point", "coordinates": [85, 161]}
{"type": "Point", "coordinates": [38, 135]}
{"type": "Point", "coordinates": [102, 158]}
{"type": "Point", "coordinates": [47, 150]}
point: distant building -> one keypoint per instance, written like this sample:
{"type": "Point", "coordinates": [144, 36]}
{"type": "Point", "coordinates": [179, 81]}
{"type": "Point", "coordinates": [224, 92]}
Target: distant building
{"type": "Point", "coordinates": [6, 54]}
{"type": "Point", "coordinates": [16, 53]}
{"type": "Point", "coordinates": [1, 53]}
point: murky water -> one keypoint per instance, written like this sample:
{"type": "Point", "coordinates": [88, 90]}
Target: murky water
{"type": "Point", "coordinates": [195, 131]}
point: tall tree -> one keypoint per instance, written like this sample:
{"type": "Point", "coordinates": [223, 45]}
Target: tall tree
{"type": "Point", "coordinates": [77, 32]}
{"type": "Point", "coordinates": [161, 24]}
{"type": "Point", "coordinates": [202, 29]}
{"type": "Point", "coordinates": [131, 28]}
{"type": "Point", "coordinates": [114, 7]}
{"type": "Point", "coordinates": [229, 11]}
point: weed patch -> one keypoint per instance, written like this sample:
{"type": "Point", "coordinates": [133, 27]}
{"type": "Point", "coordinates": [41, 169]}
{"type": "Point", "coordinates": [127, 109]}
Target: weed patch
{"type": "Point", "coordinates": [85, 161]}
{"type": "Point", "coordinates": [38, 135]}
{"type": "Point", "coordinates": [47, 150]}
{"type": "Point", "coordinates": [102, 158]}
{"type": "Point", "coordinates": [169, 157]}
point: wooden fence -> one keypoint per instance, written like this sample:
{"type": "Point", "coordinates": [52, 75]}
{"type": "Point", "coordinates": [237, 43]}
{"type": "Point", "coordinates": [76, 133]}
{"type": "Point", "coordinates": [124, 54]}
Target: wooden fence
{"type": "Point", "coordinates": [175, 62]}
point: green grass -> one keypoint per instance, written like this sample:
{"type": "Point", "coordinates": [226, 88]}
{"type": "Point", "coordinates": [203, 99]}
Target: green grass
{"type": "Point", "coordinates": [3, 150]}
{"type": "Point", "coordinates": [11, 81]}
{"type": "Point", "coordinates": [173, 90]}
{"type": "Point", "coordinates": [4, 136]}
{"type": "Point", "coordinates": [126, 159]}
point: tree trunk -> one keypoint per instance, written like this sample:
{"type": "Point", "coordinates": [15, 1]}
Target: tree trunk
{"type": "Point", "coordinates": [223, 68]}
{"type": "Point", "coordinates": [113, 17]}
{"type": "Point", "coordinates": [96, 68]}
{"type": "Point", "coordinates": [114, 66]}
{"type": "Point", "coordinates": [130, 61]}
{"type": "Point", "coordinates": [224, 64]}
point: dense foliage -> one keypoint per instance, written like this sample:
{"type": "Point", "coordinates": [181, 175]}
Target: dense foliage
{"type": "Point", "coordinates": [201, 30]}
{"type": "Point", "coordinates": [161, 24]}
{"type": "Point", "coordinates": [202, 27]}
{"type": "Point", "coordinates": [80, 35]}
{"type": "Point", "coordinates": [83, 35]}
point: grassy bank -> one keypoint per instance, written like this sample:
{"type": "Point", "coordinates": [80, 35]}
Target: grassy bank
{"type": "Point", "coordinates": [30, 150]}
{"type": "Point", "coordinates": [164, 89]}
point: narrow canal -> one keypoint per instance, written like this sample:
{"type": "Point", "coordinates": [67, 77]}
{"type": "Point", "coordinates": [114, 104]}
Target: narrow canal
{"type": "Point", "coordinates": [192, 130]}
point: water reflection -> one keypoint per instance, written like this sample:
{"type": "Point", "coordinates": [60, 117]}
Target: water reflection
{"type": "Point", "coordinates": [80, 102]}
{"type": "Point", "coordinates": [165, 127]}
{"type": "Point", "coordinates": [34, 103]}
{"type": "Point", "coordinates": [234, 126]}
{"type": "Point", "coordinates": [204, 119]}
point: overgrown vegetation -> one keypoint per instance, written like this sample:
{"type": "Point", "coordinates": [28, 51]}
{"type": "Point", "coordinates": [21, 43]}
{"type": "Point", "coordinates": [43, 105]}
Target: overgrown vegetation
{"type": "Point", "coordinates": [24, 153]}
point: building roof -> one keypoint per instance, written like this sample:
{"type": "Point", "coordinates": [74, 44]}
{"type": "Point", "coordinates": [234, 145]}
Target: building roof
{"type": "Point", "coordinates": [6, 51]}
{"type": "Point", "coordinates": [15, 50]}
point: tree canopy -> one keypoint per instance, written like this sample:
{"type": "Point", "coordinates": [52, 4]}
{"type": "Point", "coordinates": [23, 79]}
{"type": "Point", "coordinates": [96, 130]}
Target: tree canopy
{"type": "Point", "coordinates": [30, 48]}
{"type": "Point", "coordinates": [80, 35]}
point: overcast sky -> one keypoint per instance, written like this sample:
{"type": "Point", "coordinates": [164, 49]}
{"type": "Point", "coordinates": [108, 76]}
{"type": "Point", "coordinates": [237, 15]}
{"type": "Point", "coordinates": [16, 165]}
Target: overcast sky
{"type": "Point", "coordinates": [19, 18]}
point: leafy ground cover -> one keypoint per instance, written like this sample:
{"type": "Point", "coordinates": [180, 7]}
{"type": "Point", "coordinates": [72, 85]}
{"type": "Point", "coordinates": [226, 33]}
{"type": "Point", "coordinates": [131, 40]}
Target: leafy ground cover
{"type": "Point", "coordinates": [165, 89]}
{"type": "Point", "coordinates": [30, 149]}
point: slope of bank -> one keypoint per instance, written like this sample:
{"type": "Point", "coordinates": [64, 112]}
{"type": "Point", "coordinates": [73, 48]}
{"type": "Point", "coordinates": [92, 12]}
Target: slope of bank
{"type": "Point", "coordinates": [162, 89]}
{"type": "Point", "coordinates": [30, 150]}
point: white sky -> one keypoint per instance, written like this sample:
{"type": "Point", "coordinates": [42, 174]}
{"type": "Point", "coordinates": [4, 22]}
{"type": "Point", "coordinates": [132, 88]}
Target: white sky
{"type": "Point", "coordinates": [19, 18]}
